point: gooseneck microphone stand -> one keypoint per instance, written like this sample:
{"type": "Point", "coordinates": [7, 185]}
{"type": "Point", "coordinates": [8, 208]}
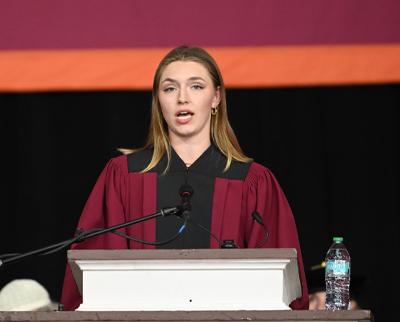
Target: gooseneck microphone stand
{"type": "Point", "coordinates": [178, 210]}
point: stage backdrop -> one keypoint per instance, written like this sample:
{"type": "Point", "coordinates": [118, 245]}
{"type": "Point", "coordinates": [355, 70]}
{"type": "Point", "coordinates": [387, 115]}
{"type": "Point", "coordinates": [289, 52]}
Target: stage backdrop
{"type": "Point", "coordinates": [313, 92]}
{"type": "Point", "coordinates": [98, 44]}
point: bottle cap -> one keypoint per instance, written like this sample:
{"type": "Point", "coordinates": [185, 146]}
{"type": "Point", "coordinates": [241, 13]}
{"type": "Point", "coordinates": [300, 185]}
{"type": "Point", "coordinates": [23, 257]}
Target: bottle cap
{"type": "Point", "coordinates": [337, 239]}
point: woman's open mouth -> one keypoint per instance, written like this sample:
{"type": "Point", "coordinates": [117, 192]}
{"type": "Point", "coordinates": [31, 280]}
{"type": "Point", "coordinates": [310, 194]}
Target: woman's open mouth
{"type": "Point", "coordinates": [184, 117]}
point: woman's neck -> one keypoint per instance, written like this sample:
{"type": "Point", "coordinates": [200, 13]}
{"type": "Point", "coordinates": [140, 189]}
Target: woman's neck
{"type": "Point", "coordinates": [188, 150]}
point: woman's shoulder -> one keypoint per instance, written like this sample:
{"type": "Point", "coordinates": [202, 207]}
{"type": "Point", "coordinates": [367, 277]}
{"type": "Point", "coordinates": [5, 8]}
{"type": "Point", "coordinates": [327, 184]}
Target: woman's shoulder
{"type": "Point", "coordinates": [116, 164]}
{"type": "Point", "coordinates": [138, 160]}
{"type": "Point", "coordinates": [258, 172]}
{"type": "Point", "coordinates": [258, 168]}
{"type": "Point", "coordinates": [244, 170]}
{"type": "Point", "coordinates": [132, 162]}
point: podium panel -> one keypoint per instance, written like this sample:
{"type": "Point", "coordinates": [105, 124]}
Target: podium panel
{"type": "Point", "coordinates": [186, 280]}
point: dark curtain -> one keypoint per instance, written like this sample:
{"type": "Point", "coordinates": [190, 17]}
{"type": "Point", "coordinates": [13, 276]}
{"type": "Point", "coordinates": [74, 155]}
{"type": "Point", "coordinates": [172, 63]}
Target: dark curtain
{"type": "Point", "coordinates": [333, 149]}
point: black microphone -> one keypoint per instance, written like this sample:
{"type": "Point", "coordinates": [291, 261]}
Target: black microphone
{"type": "Point", "coordinates": [257, 217]}
{"type": "Point", "coordinates": [186, 192]}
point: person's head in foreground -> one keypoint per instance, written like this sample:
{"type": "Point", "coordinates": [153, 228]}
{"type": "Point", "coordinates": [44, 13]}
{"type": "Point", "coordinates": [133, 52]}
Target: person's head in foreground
{"type": "Point", "coordinates": [25, 295]}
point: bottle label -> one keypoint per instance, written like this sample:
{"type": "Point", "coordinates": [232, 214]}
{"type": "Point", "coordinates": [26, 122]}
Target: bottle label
{"type": "Point", "coordinates": [338, 267]}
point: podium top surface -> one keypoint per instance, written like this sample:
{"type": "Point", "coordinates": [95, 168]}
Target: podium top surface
{"type": "Point", "coordinates": [187, 254]}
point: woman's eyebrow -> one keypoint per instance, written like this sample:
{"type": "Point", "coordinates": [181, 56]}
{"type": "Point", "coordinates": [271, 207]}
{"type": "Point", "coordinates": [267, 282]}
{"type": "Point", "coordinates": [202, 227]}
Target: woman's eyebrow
{"type": "Point", "coordinates": [197, 78]}
{"type": "Point", "coordinates": [193, 78]}
{"type": "Point", "coordinates": [169, 80]}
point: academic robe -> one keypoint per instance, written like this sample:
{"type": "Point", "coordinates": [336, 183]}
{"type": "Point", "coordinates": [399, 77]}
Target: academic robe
{"type": "Point", "coordinates": [222, 203]}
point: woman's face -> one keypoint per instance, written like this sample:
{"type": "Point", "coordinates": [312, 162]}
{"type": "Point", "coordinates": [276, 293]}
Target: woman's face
{"type": "Point", "coordinates": [186, 95]}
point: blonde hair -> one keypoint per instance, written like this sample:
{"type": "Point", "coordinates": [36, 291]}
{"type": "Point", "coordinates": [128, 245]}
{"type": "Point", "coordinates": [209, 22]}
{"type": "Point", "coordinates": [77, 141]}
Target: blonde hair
{"type": "Point", "coordinates": [222, 134]}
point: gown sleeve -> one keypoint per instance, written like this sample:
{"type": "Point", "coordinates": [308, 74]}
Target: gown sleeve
{"type": "Point", "coordinates": [104, 208]}
{"type": "Point", "coordinates": [264, 195]}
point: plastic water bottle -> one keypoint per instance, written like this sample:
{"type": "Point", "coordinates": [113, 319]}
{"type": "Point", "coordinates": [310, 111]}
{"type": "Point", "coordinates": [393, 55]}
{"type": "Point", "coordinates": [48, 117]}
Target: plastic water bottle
{"type": "Point", "coordinates": [337, 276]}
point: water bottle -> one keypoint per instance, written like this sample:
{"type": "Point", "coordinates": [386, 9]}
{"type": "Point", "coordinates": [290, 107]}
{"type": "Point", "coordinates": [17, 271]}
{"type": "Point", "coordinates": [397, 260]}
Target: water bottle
{"type": "Point", "coordinates": [337, 276]}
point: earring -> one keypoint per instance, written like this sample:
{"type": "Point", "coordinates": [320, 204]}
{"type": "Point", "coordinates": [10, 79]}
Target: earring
{"type": "Point", "coordinates": [214, 110]}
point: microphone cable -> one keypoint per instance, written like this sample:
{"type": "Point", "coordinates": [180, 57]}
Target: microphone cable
{"type": "Point", "coordinates": [222, 244]}
{"type": "Point", "coordinates": [3, 256]}
{"type": "Point", "coordinates": [257, 217]}
{"type": "Point", "coordinates": [185, 191]}
{"type": "Point", "coordinates": [192, 222]}
{"type": "Point", "coordinates": [81, 234]}
{"type": "Point", "coordinates": [160, 243]}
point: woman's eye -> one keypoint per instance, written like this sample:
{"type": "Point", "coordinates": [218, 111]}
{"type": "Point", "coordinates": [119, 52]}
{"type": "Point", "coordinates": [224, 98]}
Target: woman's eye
{"type": "Point", "coordinates": [197, 86]}
{"type": "Point", "coordinates": [169, 89]}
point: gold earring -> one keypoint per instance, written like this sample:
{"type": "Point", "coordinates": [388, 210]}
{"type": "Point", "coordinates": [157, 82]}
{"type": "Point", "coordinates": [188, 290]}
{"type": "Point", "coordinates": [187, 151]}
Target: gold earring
{"type": "Point", "coordinates": [214, 110]}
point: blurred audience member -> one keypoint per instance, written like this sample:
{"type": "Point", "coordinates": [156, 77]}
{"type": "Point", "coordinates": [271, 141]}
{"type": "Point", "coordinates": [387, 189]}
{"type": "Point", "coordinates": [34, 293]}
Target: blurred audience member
{"type": "Point", "coordinates": [316, 288]}
{"type": "Point", "coordinates": [25, 295]}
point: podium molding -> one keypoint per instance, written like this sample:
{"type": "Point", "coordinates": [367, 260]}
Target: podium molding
{"type": "Point", "coordinates": [200, 316]}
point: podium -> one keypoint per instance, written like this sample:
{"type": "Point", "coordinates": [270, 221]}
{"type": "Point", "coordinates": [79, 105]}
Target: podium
{"type": "Point", "coordinates": [92, 268]}
{"type": "Point", "coordinates": [186, 280]}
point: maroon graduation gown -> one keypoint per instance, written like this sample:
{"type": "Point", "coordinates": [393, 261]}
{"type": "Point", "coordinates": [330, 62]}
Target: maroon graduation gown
{"type": "Point", "coordinates": [122, 193]}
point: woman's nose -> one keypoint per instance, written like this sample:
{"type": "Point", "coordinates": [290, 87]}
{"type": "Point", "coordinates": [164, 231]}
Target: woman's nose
{"type": "Point", "coordinates": [182, 97]}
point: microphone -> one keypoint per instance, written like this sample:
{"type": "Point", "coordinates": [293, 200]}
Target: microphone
{"type": "Point", "coordinates": [257, 217]}
{"type": "Point", "coordinates": [186, 192]}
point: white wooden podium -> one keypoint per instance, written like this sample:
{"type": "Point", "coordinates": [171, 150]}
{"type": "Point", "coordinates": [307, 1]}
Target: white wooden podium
{"type": "Point", "coordinates": [186, 280]}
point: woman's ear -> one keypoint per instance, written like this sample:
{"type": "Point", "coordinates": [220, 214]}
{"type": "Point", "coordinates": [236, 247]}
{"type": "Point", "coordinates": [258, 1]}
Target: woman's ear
{"type": "Point", "coordinates": [217, 97]}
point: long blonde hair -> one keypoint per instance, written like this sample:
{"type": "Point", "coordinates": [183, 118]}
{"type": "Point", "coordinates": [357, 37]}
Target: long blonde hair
{"type": "Point", "coordinates": [222, 134]}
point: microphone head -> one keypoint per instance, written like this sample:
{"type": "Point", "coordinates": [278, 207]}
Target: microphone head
{"type": "Point", "coordinates": [186, 190]}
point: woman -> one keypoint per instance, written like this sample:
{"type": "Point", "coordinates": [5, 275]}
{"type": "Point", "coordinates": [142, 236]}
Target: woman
{"type": "Point", "coordinates": [190, 142]}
